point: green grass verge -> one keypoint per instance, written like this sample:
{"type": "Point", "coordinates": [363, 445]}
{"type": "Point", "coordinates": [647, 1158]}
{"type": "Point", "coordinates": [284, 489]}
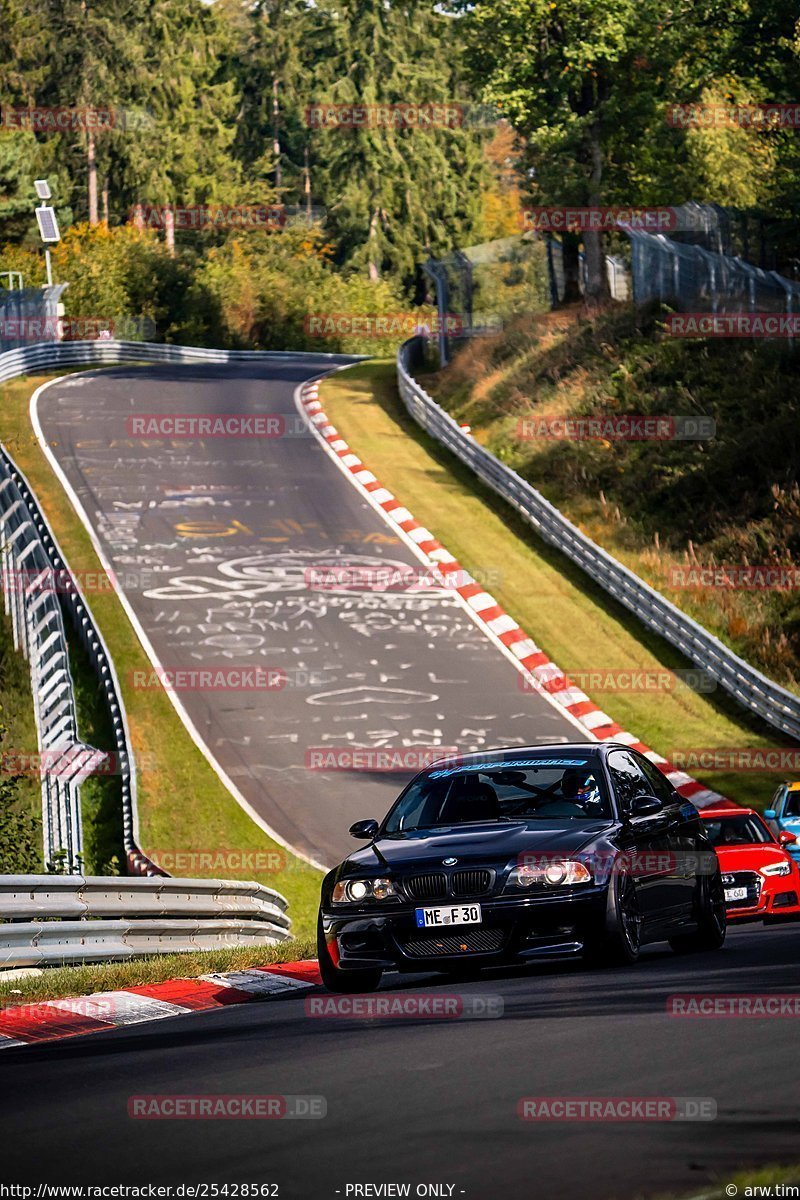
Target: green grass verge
{"type": "Point", "coordinates": [183, 806]}
{"type": "Point", "coordinates": [21, 800]}
{"type": "Point", "coordinates": [101, 795]}
{"type": "Point", "coordinates": [57, 982]}
{"type": "Point", "coordinates": [575, 622]}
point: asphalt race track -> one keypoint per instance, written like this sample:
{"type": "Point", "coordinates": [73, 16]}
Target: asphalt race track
{"type": "Point", "coordinates": [432, 1101]}
{"type": "Point", "coordinates": [218, 544]}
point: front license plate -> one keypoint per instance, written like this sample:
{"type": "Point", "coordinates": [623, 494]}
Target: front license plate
{"type": "Point", "coordinates": [735, 894]}
{"type": "Point", "coordinates": [452, 914]}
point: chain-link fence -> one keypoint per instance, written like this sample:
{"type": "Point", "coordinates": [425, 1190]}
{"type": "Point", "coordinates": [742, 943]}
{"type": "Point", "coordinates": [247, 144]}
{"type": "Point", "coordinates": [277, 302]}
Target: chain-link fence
{"type": "Point", "coordinates": [617, 273]}
{"type": "Point", "coordinates": [693, 279]}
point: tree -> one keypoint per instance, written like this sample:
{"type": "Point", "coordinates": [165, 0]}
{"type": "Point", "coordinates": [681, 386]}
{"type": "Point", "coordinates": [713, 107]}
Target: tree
{"type": "Point", "coordinates": [589, 85]}
{"type": "Point", "coordinates": [394, 194]}
{"type": "Point", "coordinates": [562, 72]}
{"type": "Point", "coordinates": [277, 49]}
{"type": "Point", "coordinates": [182, 153]}
{"type": "Point", "coordinates": [91, 57]}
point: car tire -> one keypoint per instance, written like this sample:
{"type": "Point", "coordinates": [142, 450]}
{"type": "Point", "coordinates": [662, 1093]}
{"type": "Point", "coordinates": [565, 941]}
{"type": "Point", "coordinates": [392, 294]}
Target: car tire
{"type": "Point", "coordinates": [336, 980]}
{"type": "Point", "coordinates": [619, 943]}
{"type": "Point", "coordinates": [711, 919]}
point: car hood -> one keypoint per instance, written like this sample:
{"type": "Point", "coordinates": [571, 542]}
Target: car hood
{"type": "Point", "coordinates": [490, 842]}
{"type": "Point", "coordinates": [748, 858]}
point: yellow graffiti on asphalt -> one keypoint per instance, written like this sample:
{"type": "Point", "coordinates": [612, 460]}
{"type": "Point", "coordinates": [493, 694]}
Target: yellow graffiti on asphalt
{"type": "Point", "coordinates": [282, 530]}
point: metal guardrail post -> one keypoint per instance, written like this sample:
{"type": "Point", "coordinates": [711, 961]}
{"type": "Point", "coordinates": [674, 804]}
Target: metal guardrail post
{"type": "Point", "coordinates": [436, 271]}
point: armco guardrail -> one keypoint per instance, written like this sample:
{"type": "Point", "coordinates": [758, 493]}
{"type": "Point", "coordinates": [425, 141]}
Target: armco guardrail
{"type": "Point", "coordinates": [36, 582]}
{"type": "Point", "coordinates": [50, 919]}
{"type": "Point", "coordinates": [38, 629]}
{"type": "Point", "coordinates": [753, 690]}
{"type": "Point", "coordinates": [43, 355]}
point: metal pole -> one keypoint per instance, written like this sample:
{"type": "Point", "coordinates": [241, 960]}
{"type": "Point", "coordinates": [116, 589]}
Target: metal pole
{"type": "Point", "coordinates": [49, 267]}
{"type": "Point", "coordinates": [435, 271]}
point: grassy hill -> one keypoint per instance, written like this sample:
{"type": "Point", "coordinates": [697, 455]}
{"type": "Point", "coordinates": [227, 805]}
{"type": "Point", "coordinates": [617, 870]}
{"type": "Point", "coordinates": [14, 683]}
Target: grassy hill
{"type": "Point", "coordinates": [666, 508]}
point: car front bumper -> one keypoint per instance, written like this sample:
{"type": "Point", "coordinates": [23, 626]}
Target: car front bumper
{"type": "Point", "coordinates": [774, 903]}
{"type": "Point", "coordinates": [512, 928]}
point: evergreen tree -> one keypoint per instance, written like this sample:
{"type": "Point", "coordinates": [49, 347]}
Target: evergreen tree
{"type": "Point", "coordinates": [394, 194]}
{"type": "Point", "coordinates": [183, 151]}
{"type": "Point", "coordinates": [279, 47]}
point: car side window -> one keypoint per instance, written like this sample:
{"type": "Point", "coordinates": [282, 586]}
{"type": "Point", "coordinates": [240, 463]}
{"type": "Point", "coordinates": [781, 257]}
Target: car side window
{"type": "Point", "coordinates": [628, 779]}
{"type": "Point", "coordinates": [660, 786]}
{"type": "Point", "coordinates": [777, 799]}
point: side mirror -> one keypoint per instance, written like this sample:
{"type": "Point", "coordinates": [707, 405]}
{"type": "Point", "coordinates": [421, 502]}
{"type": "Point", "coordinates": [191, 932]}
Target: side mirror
{"type": "Point", "coordinates": [364, 829]}
{"type": "Point", "coordinates": [770, 814]}
{"type": "Point", "coordinates": [645, 806]}
{"type": "Point", "coordinates": [786, 838]}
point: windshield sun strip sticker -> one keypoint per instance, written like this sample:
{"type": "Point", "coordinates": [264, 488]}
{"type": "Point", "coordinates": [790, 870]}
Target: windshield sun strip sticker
{"type": "Point", "coordinates": [504, 765]}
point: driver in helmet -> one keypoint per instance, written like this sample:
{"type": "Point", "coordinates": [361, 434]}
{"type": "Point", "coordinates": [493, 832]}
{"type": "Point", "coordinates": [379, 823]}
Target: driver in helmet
{"type": "Point", "coordinates": [580, 787]}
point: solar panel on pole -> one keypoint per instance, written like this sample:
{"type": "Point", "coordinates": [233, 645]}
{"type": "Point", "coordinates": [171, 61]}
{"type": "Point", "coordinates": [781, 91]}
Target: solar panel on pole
{"type": "Point", "coordinates": [48, 225]}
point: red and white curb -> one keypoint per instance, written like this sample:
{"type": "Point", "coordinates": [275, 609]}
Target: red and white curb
{"type": "Point", "coordinates": [543, 674]}
{"type": "Point", "coordinates": [52, 1020]}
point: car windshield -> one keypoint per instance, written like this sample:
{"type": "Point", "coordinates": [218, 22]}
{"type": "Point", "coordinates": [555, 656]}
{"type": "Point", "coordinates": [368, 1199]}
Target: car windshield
{"type": "Point", "coordinates": [744, 830]}
{"type": "Point", "coordinates": [505, 792]}
{"type": "Point", "coordinates": [792, 806]}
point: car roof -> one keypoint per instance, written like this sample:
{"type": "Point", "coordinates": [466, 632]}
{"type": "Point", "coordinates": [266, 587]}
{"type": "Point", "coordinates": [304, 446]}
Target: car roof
{"type": "Point", "coordinates": [547, 750]}
{"type": "Point", "coordinates": [794, 787]}
{"type": "Point", "coordinates": [719, 811]}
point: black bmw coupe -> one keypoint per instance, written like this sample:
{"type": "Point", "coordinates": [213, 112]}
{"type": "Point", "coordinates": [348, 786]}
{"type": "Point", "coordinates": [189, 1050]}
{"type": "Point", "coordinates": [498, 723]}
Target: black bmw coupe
{"type": "Point", "coordinates": [511, 855]}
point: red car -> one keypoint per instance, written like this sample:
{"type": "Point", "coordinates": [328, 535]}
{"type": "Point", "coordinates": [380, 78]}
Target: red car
{"type": "Point", "coordinates": [761, 880]}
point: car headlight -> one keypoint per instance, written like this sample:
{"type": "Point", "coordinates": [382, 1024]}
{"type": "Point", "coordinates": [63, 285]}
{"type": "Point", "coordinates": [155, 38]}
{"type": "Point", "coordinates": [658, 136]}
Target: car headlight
{"type": "Point", "coordinates": [355, 891]}
{"type": "Point", "coordinates": [558, 872]}
{"type": "Point", "coordinates": [779, 868]}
